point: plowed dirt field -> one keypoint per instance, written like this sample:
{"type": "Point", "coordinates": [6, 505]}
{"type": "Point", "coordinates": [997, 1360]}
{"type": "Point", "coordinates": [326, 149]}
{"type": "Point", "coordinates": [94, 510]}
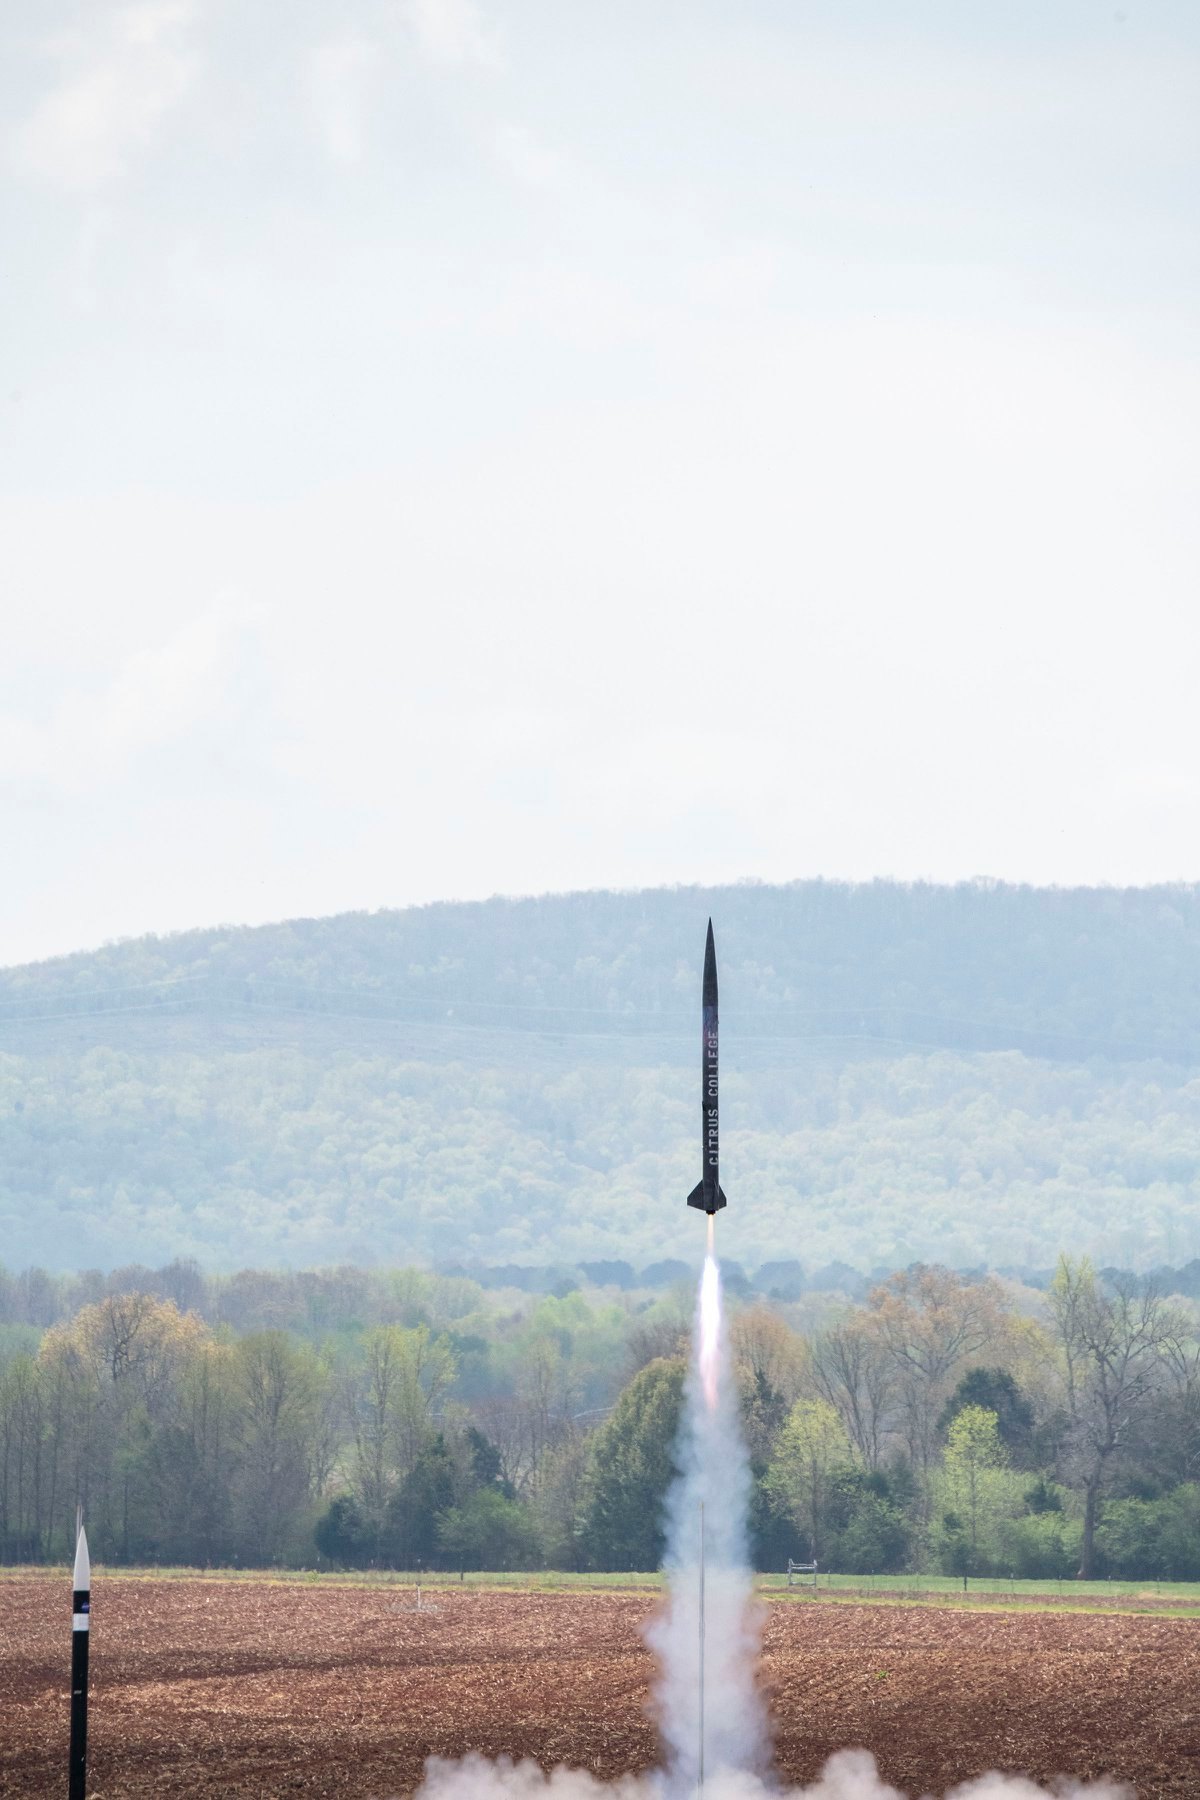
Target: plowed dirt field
{"type": "Point", "coordinates": [205, 1688]}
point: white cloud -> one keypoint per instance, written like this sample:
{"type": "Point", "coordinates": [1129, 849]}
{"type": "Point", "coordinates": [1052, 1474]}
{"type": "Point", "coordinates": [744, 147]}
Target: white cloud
{"type": "Point", "coordinates": [451, 32]}
{"type": "Point", "coordinates": [339, 79]}
{"type": "Point", "coordinates": [95, 232]}
{"type": "Point", "coordinates": [156, 698]}
{"type": "Point", "coordinates": [119, 83]}
{"type": "Point", "coordinates": [534, 163]}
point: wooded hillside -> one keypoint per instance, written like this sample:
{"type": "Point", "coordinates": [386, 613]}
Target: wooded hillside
{"type": "Point", "coordinates": [981, 1074]}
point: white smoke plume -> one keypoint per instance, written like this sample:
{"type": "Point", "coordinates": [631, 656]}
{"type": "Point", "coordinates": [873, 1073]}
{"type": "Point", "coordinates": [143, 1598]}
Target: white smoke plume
{"type": "Point", "coordinates": [714, 1472]}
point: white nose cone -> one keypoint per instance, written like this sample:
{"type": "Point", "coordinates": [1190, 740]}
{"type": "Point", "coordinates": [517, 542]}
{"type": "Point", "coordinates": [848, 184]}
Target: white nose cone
{"type": "Point", "coordinates": [82, 1581]}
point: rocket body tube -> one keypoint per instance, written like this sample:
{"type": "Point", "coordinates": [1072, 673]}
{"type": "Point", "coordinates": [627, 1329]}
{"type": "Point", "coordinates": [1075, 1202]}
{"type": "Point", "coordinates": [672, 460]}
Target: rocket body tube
{"type": "Point", "coordinates": [708, 1196]}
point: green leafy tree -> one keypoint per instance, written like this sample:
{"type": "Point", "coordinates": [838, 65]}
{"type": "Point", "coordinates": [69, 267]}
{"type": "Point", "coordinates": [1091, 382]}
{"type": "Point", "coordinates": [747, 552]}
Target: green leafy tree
{"type": "Point", "coordinates": [1041, 1546]}
{"type": "Point", "coordinates": [114, 1375]}
{"type": "Point", "coordinates": [632, 1467]}
{"type": "Point", "coordinates": [974, 1491]}
{"type": "Point", "coordinates": [1149, 1539]}
{"type": "Point", "coordinates": [872, 1533]}
{"type": "Point", "coordinates": [341, 1533]}
{"type": "Point", "coordinates": [996, 1391]}
{"type": "Point", "coordinates": [489, 1531]}
{"type": "Point", "coordinates": [428, 1491]}
{"type": "Point", "coordinates": [810, 1451]}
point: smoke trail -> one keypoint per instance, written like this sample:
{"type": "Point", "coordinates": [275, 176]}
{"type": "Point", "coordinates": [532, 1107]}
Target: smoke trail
{"type": "Point", "coordinates": [714, 1471]}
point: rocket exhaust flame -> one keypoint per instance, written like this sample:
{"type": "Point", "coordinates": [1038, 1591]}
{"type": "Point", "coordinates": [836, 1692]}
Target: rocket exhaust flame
{"type": "Point", "coordinates": [708, 1334]}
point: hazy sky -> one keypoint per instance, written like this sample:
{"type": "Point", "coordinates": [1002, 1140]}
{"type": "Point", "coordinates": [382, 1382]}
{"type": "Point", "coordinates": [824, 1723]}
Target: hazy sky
{"type": "Point", "coordinates": [467, 446]}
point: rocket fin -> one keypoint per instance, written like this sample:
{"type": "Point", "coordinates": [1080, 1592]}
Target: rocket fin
{"type": "Point", "coordinates": [721, 1200]}
{"type": "Point", "coordinates": [696, 1197]}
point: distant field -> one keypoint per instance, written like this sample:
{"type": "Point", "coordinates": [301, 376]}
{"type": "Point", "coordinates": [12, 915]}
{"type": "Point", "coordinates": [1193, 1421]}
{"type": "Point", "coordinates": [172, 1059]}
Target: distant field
{"type": "Point", "coordinates": [1180, 1598]}
{"type": "Point", "coordinates": [207, 1687]}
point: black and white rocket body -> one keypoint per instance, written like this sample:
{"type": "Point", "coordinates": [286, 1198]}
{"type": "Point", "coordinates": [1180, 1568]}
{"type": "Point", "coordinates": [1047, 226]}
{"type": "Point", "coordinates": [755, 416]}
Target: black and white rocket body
{"type": "Point", "coordinates": [81, 1618]}
{"type": "Point", "coordinates": [707, 1196]}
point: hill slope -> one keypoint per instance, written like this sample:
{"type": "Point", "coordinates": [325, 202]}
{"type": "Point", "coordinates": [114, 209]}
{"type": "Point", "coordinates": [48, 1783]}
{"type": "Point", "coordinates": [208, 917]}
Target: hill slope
{"type": "Point", "coordinates": [979, 1073]}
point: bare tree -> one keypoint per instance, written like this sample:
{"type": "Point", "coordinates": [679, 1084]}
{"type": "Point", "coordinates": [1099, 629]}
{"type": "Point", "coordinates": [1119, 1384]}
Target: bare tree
{"type": "Point", "coordinates": [1179, 1427]}
{"type": "Point", "coordinates": [852, 1370]}
{"type": "Point", "coordinates": [536, 1417]}
{"type": "Point", "coordinates": [1116, 1345]}
{"type": "Point", "coordinates": [279, 1383]}
{"type": "Point", "coordinates": [661, 1334]}
{"type": "Point", "coordinates": [560, 1499]}
{"type": "Point", "coordinates": [931, 1322]}
{"type": "Point", "coordinates": [768, 1352]}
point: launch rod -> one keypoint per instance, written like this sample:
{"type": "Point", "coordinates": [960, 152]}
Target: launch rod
{"type": "Point", "coordinates": [700, 1784]}
{"type": "Point", "coordinates": [81, 1610]}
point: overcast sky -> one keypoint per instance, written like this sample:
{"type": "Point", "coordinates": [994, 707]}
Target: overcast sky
{"type": "Point", "coordinates": [467, 446]}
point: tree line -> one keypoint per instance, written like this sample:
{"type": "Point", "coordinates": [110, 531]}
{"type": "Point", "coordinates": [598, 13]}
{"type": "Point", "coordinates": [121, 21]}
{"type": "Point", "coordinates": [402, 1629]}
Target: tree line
{"type": "Point", "coordinates": [970, 1426]}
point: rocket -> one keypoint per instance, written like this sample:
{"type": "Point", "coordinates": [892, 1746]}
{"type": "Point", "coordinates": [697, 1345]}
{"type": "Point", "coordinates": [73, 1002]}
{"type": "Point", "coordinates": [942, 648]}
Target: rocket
{"type": "Point", "coordinates": [81, 1610]}
{"type": "Point", "coordinates": [707, 1196]}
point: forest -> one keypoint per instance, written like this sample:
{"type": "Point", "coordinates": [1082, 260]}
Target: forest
{"type": "Point", "coordinates": [982, 1075]}
{"type": "Point", "coordinates": [396, 1418]}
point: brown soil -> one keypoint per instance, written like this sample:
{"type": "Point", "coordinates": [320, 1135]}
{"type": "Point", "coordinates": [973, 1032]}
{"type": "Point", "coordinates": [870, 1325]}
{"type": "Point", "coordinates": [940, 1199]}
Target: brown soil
{"type": "Point", "coordinates": [206, 1688]}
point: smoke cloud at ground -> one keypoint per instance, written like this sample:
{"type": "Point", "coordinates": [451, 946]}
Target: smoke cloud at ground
{"type": "Point", "coordinates": [714, 1472]}
{"type": "Point", "coordinates": [850, 1775]}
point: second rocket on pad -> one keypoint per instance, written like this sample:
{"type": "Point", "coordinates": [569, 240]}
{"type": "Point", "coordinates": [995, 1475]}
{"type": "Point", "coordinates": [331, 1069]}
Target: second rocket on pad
{"type": "Point", "coordinates": [708, 1196]}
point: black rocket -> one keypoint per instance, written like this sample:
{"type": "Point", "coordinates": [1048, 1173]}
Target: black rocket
{"type": "Point", "coordinates": [81, 1609]}
{"type": "Point", "coordinates": [708, 1196]}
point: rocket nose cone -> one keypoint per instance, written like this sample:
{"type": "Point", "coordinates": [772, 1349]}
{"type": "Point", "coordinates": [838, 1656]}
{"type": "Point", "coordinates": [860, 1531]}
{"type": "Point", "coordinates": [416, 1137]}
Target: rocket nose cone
{"type": "Point", "coordinates": [82, 1578]}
